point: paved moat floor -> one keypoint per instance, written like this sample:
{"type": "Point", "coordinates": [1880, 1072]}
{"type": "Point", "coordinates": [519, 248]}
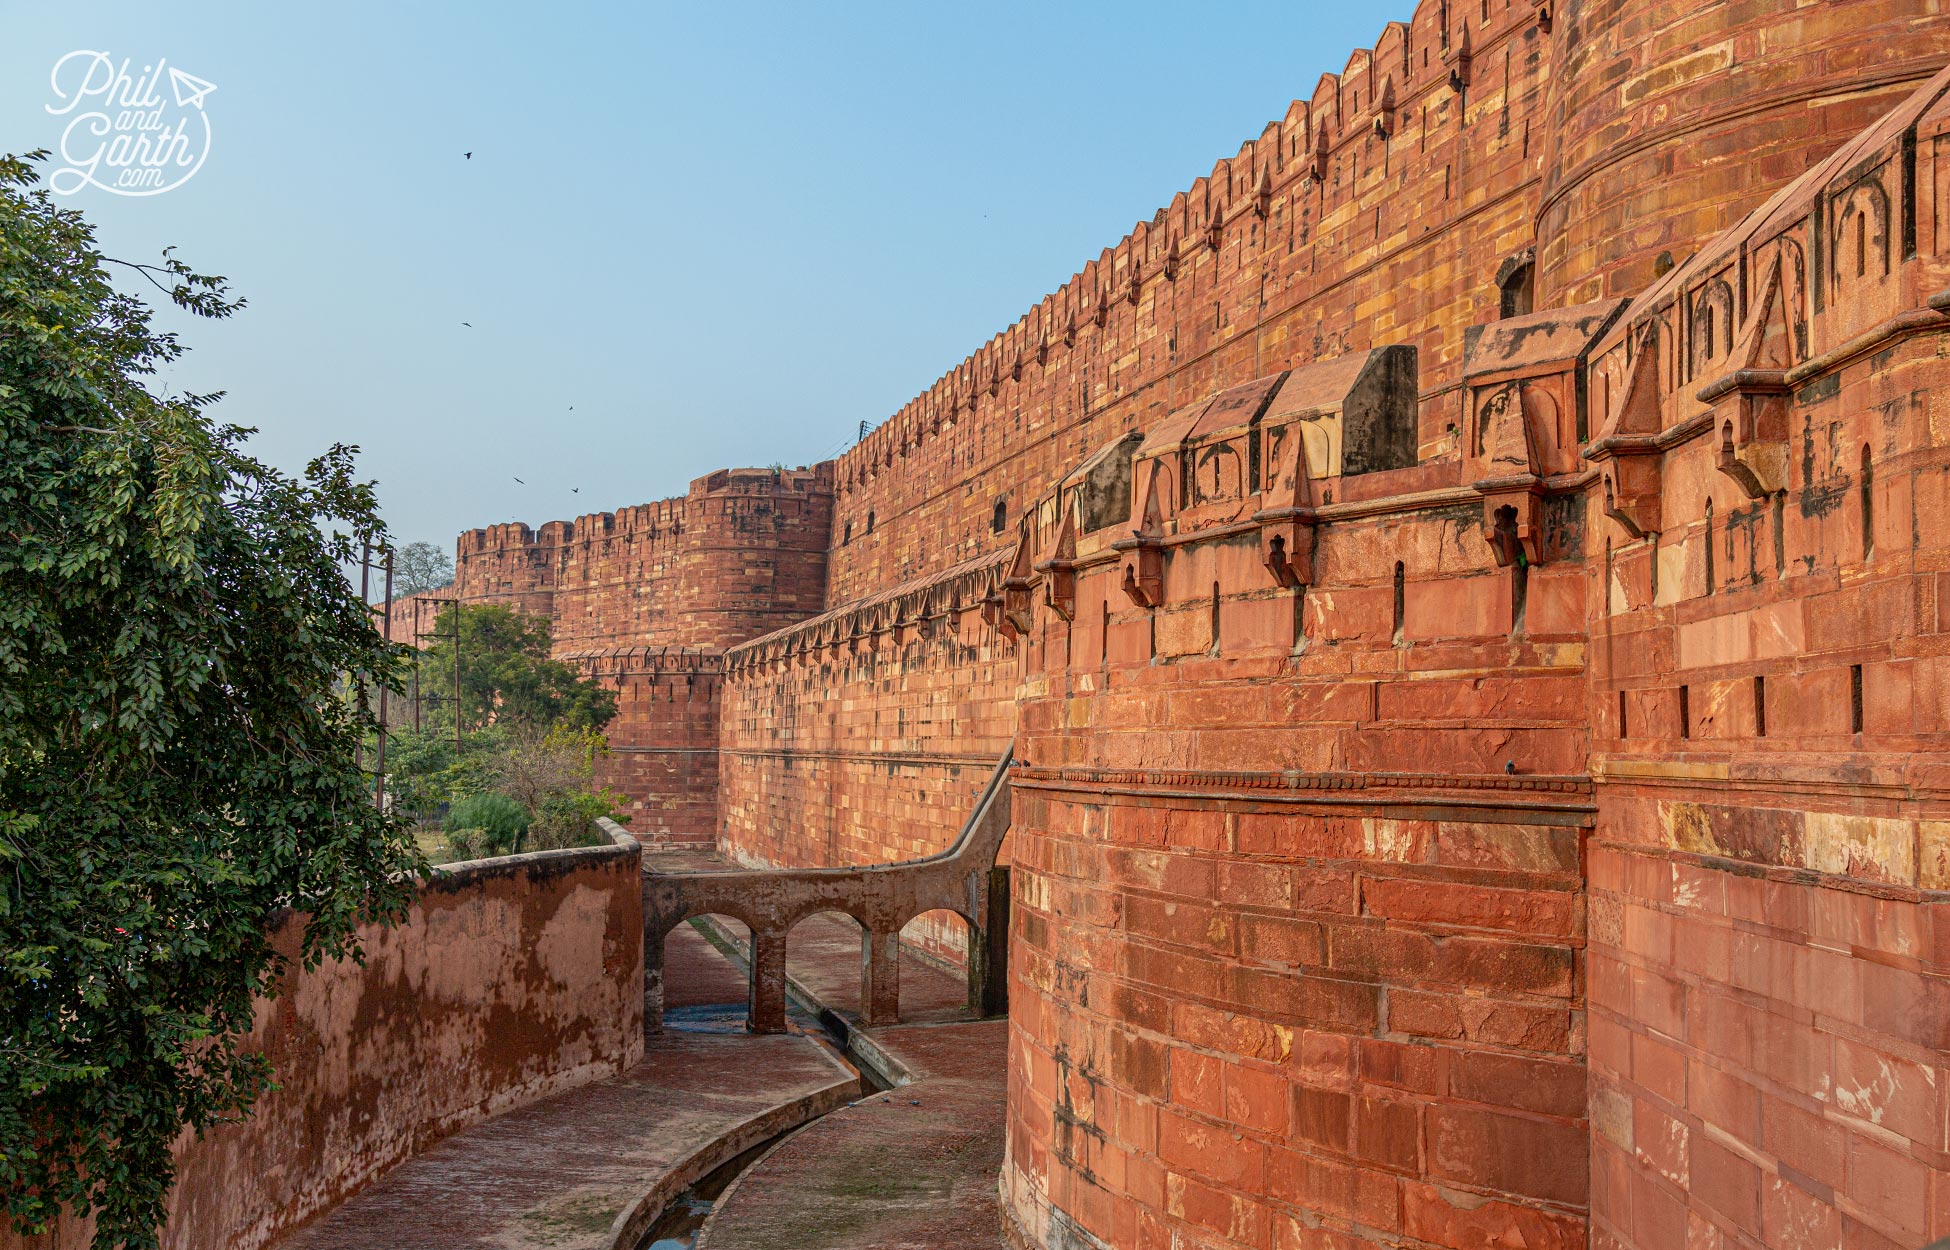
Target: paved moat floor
{"type": "Point", "coordinates": [914, 1167]}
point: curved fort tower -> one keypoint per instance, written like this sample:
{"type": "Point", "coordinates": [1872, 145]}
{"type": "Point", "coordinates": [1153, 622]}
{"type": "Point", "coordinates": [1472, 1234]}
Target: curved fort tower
{"type": "Point", "coordinates": [1470, 582]}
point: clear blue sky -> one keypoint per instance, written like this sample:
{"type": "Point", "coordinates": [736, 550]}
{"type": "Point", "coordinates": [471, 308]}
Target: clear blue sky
{"type": "Point", "coordinates": [725, 234]}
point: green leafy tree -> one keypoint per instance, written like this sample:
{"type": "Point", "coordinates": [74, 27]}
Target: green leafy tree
{"type": "Point", "coordinates": [506, 674]}
{"type": "Point", "coordinates": [420, 567]}
{"type": "Point", "coordinates": [178, 757]}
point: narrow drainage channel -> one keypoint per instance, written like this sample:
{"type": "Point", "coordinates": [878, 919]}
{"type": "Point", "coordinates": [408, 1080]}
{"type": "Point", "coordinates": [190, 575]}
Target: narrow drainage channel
{"type": "Point", "coordinates": [676, 1228]}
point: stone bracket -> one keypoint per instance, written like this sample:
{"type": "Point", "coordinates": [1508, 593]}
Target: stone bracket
{"type": "Point", "coordinates": [1144, 569]}
{"type": "Point", "coordinates": [1513, 518]}
{"type": "Point", "coordinates": [1286, 544]}
{"type": "Point", "coordinates": [1750, 411]}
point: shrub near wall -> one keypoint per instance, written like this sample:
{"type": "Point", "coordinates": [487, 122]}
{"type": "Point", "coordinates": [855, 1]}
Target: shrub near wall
{"type": "Point", "coordinates": [509, 980]}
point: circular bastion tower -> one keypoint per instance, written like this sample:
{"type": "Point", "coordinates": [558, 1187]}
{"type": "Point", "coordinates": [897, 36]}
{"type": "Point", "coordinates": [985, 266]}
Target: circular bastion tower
{"type": "Point", "coordinates": [1667, 123]}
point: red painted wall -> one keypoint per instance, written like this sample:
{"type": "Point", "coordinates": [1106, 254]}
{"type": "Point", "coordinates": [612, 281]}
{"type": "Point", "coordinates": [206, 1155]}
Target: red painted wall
{"type": "Point", "coordinates": [541, 953]}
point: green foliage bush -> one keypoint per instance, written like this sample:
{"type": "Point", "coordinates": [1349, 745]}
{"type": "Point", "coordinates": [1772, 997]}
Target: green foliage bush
{"type": "Point", "coordinates": [493, 823]}
{"type": "Point", "coordinates": [570, 820]}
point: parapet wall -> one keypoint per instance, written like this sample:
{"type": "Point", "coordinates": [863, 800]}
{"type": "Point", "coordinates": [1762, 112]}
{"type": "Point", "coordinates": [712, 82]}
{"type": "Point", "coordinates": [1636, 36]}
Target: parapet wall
{"type": "Point", "coordinates": [509, 979]}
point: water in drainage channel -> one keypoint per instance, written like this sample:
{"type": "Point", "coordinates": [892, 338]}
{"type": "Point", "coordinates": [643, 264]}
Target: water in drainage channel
{"type": "Point", "coordinates": [676, 1228]}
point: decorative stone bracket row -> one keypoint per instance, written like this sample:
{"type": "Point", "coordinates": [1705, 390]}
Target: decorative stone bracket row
{"type": "Point", "coordinates": [883, 898]}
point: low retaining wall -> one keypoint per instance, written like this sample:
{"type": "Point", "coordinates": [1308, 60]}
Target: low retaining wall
{"type": "Point", "coordinates": [510, 979]}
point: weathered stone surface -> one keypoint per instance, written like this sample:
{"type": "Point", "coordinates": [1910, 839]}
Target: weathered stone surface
{"type": "Point", "coordinates": [509, 980]}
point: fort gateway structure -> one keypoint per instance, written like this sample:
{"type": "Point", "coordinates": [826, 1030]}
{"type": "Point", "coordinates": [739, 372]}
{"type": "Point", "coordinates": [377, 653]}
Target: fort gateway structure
{"type": "Point", "coordinates": [1469, 585]}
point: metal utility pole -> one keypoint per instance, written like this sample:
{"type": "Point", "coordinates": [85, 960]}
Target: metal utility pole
{"type": "Point", "coordinates": [455, 635]}
{"type": "Point", "coordinates": [417, 601]}
{"type": "Point", "coordinates": [386, 632]}
{"type": "Point", "coordinates": [385, 609]}
{"type": "Point", "coordinates": [359, 681]}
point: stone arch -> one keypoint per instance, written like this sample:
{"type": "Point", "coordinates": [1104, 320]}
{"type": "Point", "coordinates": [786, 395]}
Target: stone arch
{"type": "Point", "coordinates": [700, 989]}
{"type": "Point", "coordinates": [1859, 233]}
{"type": "Point", "coordinates": [1713, 326]}
{"type": "Point", "coordinates": [1516, 283]}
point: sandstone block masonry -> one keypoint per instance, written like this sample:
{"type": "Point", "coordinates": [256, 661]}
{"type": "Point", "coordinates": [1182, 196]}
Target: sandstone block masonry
{"type": "Point", "coordinates": [1466, 581]}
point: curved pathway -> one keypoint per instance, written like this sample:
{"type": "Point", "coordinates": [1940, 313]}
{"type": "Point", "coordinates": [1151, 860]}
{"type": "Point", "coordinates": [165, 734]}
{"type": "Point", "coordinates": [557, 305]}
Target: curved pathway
{"type": "Point", "coordinates": [556, 1174]}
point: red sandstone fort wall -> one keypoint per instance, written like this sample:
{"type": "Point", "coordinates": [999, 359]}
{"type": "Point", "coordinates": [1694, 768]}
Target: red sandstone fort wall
{"type": "Point", "coordinates": [1246, 1002]}
{"type": "Point", "coordinates": [1769, 1013]}
{"type": "Point", "coordinates": [1670, 122]}
{"type": "Point", "coordinates": [741, 553]}
{"type": "Point", "coordinates": [1377, 211]}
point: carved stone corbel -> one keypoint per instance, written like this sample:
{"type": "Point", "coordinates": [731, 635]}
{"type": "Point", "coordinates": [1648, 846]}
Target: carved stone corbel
{"type": "Point", "coordinates": [1750, 412]}
{"type": "Point", "coordinates": [1143, 577]}
{"type": "Point", "coordinates": [1144, 570]}
{"type": "Point", "coordinates": [1513, 520]}
{"type": "Point", "coordinates": [1750, 404]}
{"type": "Point", "coordinates": [1017, 607]}
{"type": "Point", "coordinates": [1060, 570]}
{"type": "Point", "coordinates": [1286, 545]}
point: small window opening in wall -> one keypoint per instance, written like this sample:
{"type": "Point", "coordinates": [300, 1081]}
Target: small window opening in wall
{"type": "Point", "coordinates": [1299, 617]}
{"type": "Point", "coordinates": [1709, 546]}
{"type": "Point", "coordinates": [1760, 707]}
{"type": "Point", "coordinates": [1706, 331]}
{"type": "Point", "coordinates": [869, 522]}
{"type": "Point", "coordinates": [1868, 505]}
{"type": "Point", "coordinates": [1685, 711]}
{"type": "Point", "coordinates": [1519, 594]}
{"type": "Point", "coordinates": [1401, 601]}
{"type": "Point", "coordinates": [1515, 291]}
{"type": "Point", "coordinates": [1103, 639]}
{"type": "Point", "coordinates": [1624, 726]}
{"type": "Point", "coordinates": [848, 538]}
{"type": "Point", "coordinates": [1215, 618]}
{"type": "Point", "coordinates": [999, 519]}
{"type": "Point", "coordinates": [1855, 698]}
{"type": "Point", "coordinates": [1861, 245]}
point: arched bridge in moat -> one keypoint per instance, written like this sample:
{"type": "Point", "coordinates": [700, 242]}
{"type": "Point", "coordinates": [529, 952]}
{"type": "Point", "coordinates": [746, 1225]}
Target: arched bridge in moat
{"type": "Point", "coordinates": [963, 879]}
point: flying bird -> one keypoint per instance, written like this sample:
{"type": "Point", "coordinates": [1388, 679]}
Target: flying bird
{"type": "Point", "coordinates": [468, 155]}
{"type": "Point", "coordinates": [468, 324]}
{"type": "Point", "coordinates": [575, 490]}
{"type": "Point", "coordinates": [519, 482]}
